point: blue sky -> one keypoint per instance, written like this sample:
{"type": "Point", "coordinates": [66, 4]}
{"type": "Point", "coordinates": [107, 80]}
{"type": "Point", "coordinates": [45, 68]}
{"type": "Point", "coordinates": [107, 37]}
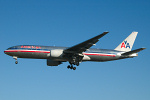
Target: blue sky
{"type": "Point", "coordinates": [66, 23]}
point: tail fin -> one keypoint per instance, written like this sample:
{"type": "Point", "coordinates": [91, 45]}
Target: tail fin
{"type": "Point", "coordinates": [127, 44]}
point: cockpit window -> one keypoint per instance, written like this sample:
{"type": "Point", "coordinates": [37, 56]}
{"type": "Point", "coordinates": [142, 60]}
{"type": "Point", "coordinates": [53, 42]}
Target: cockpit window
{"type": "Point", "coordinates": [11, 48]}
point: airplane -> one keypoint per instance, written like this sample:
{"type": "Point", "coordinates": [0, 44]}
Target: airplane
{"type": "Point", "coordinates": [76, 54]}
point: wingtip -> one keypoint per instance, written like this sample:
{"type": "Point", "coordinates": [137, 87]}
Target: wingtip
{"type": "Point", "coordinates": [143, 48]}
{"type": "Point", "coordinates": [106, 31]}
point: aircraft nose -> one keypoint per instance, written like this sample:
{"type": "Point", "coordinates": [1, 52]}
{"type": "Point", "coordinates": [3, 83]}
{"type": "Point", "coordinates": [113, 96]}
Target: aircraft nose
{"type": "Point", "coordinates": [6, 51]}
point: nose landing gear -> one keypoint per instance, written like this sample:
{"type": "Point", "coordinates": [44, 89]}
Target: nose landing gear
{"type": "Point", "coordinates": [16, 62]}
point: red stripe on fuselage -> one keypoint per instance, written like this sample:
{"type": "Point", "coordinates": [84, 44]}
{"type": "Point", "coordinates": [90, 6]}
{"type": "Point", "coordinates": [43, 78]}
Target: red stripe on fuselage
{"type": "Point", "coordinates": [35, 51]}
{"type": "Point", "coordinates": [99, 54]}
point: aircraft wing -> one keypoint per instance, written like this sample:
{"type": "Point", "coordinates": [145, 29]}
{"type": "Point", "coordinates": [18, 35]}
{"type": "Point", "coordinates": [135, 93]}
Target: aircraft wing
{"type": "Point", "coordinates": [81, 47]}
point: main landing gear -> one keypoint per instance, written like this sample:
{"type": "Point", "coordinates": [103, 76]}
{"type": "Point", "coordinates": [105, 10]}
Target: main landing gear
{"type": "Point", "coordinates": [16, 62]}
{"type": "Point", "coordinates": [71, 67]}
{"type": "Point", "coordinates": [75, 61]}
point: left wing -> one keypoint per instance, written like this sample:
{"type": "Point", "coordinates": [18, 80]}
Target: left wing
{"type": "Point", "coordinates": [79, 48]}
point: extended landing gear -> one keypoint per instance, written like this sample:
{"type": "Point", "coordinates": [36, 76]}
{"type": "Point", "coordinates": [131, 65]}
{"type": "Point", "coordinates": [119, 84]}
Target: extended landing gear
{"type": "Point", "coordinates": [74, 60]}
{"type": "Point", "coordinates": [71, 67]}
{"type": "Point", "coordinates": [16, 62]}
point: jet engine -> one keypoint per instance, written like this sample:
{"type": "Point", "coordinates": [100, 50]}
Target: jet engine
{"type": "Point", "coordinates": [53, 63]}
{"type": "Point", "coordinates": [56, 53]}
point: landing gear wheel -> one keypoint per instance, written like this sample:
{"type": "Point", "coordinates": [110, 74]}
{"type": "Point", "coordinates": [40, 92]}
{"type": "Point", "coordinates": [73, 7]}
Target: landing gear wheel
{"type": "Point", "coordinates": [71, 67]}
{"type": "Point", "coordinates": [74, 68]}
{"type": "Point", "coordinates": [68, 66]}
{"type": "Point", "coordinates": [16, 62]}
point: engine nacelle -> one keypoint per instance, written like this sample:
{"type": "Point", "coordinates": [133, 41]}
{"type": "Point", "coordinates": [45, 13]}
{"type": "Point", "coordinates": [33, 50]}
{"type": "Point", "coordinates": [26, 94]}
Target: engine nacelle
{"type": "Point", "coordinates": [56, 53]}
{"type": "Point", "coordinates": [53, 63]}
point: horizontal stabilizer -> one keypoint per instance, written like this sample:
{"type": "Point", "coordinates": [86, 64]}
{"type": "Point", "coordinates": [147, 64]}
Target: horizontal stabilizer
{"type": "Point", "coordinates": [133, 51]}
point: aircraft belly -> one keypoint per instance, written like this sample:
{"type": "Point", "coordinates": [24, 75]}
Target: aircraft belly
{"type": "Point", "coordinates": [102, 58]}
{"type": "Point", "coordinates": [30, 55]}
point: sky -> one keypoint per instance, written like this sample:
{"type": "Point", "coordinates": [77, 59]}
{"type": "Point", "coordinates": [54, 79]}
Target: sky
{"type": "Point", "coordinates": [66, 23]}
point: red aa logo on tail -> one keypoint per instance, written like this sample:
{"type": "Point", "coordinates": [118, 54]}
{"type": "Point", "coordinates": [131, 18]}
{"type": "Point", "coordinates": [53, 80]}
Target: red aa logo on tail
{"type": "Point", "coordinates": [125, 44]}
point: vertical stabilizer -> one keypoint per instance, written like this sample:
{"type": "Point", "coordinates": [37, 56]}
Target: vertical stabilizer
{"type": "Point", "coordinates": [127, 44]}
